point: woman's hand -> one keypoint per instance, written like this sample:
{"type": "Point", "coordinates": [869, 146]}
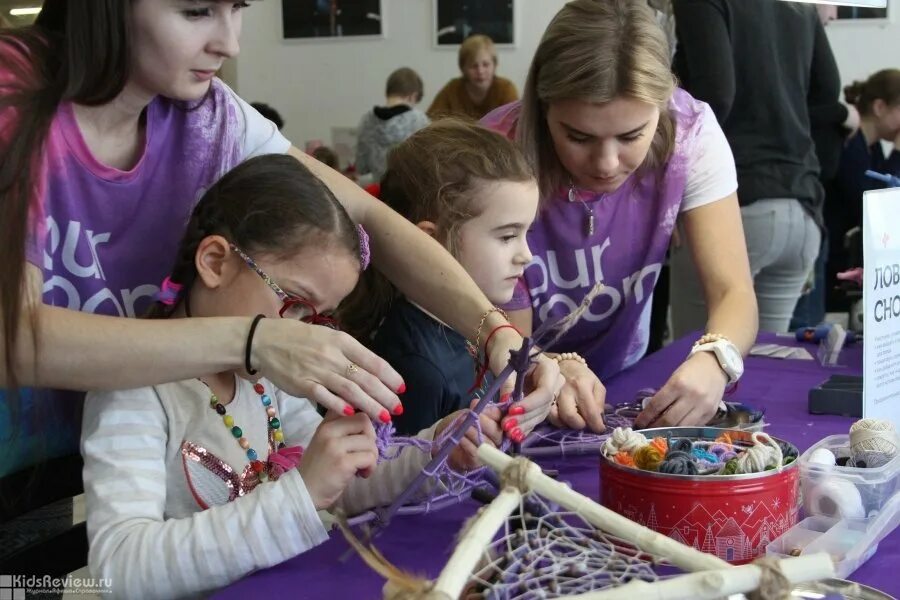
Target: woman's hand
{"type": "Point", "coordinates": [464, 457]}
{"type": "Point", "coordinates": [328, 367]}
{"type": "Point", "coordinates": [341, 448]}
{"type": "Point", "coordinates": [581, 400]}
{"type": "Point", "coordinates": [690, 397]}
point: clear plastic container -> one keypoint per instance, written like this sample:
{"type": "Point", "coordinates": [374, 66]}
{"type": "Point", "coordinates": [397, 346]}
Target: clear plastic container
{"type": "Point", "coordinates": [875, 486]}
{"type": "Point", "coordinates": [849, 542]}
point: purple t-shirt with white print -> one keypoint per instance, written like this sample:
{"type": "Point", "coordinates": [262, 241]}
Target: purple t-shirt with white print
{"type": "Point", "coordinates": [105, 238]}
{"type": "Point", "coordinates": [632, 231]}
{"type": "Point", "coordinates": [109, 237]}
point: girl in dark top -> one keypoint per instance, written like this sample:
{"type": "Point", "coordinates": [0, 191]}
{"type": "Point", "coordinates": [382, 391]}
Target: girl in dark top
{"type": "Point", "coordinates": [878, 101]}
{"type": "Point", "coordinates": [473, 191]}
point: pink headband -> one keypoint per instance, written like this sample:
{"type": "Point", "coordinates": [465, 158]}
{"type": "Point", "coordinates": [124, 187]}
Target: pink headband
{"type": "Point", "coordinates": [168, 292]}
{"type": "Point", "coordinates": [364, 252]}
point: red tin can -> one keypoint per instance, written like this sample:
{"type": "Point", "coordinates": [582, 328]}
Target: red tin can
{"type": "Point", "coordinates": [731, 516]}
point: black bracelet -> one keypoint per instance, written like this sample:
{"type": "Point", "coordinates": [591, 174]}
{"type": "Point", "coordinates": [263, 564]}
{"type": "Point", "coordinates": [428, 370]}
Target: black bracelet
{"type": "Point", "coordinates": [249, 346]}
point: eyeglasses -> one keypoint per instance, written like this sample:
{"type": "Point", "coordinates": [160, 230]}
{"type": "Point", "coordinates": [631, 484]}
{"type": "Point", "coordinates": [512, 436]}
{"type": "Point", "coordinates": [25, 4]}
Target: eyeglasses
{"type": "Point", "coordinates": [293, 307]}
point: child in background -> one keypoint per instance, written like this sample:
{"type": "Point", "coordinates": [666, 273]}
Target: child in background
{"type": "Point", "coordinates": [384, 127]}
{"type": "Point", "coordinates": [192, 485]}
{"type": "Point", "coordinates": [474, 192]}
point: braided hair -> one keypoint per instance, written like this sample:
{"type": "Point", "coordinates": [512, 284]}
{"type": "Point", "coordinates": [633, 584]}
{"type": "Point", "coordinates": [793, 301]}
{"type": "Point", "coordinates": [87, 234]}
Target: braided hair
{"type": "Point", "coordinates": [270, 204]}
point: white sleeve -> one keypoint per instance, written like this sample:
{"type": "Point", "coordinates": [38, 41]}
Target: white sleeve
{"type": "Point", "coordinates": [388, 480]}
{"type": "Point", "coordinates": [299, 418]}
{"type": "Point", "coordinates": [260, 136]}
{"type": "Point", "coordinates": [146, 555]}
{"type": "Point", "coordinates": [711, 172]}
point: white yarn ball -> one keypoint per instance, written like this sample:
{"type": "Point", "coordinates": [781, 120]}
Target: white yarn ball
{"type": "Point", "coordinates": [873, 443]}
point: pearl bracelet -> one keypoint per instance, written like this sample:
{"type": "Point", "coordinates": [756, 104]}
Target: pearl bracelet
{"type": "Point", "coordinates": [570, 356]}
{"type": "Point", "coordinates": [709, 338]}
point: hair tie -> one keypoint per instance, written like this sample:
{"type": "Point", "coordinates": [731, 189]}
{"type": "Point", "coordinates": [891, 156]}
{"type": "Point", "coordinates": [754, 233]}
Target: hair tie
{"type": "Point", "coordinates": [364, 252]}
{"type": "Point", "coordinates": [168, 292]}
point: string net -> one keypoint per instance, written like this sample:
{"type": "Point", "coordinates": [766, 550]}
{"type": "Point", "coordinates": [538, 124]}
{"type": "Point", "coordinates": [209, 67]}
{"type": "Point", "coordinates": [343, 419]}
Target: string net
{"type": "Point", "coordinates": [545, 552]}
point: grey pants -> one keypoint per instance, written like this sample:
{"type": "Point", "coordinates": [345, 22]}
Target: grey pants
{"type": "Point", "coordinates": [782, 244]}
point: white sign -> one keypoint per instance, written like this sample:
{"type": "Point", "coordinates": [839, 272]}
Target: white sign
{"type": "Point", "coordinates": [881, 296]}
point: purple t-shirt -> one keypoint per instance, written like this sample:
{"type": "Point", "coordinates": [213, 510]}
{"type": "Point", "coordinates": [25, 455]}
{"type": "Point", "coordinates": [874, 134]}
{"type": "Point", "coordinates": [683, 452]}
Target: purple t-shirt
{"type": "Point", "coordinates": [632, 231]}
{"type": "Point", "coordinates": [106, 238]}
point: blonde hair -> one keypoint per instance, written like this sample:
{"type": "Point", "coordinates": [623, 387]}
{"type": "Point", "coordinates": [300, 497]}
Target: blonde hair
{"type": "Point", "coordinates": [883, 85]}
{"type": "Point", "coordinates": [596, 51]}
{"type": "Point", "coordinates": [474, 44]}
{"type": "Point", "coordinates": [436, 175]}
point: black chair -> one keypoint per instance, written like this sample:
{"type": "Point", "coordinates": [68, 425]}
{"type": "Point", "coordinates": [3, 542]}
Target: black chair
{"type": "Point", "coordinates": [59, 552]}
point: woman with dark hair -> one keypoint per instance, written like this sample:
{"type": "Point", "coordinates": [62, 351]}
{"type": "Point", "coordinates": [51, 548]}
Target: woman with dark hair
{"type": "Point", "coordinates": [112, 125]}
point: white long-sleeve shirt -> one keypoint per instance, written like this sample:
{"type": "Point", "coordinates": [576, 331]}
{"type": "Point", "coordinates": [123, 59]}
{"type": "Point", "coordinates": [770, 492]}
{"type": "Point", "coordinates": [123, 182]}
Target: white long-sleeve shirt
{"type": "Point", "coordinates": [155, 458]}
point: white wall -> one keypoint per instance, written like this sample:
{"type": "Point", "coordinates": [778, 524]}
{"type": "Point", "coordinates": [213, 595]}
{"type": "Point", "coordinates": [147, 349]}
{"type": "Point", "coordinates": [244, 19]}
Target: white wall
{"type": "Point", "coordinates": [319, 84]}
{"type": "Point", "coordinates": [861, 49]}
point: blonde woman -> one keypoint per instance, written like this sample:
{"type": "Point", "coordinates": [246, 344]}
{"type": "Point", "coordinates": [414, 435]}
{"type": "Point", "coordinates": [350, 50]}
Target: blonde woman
{"type": "Point", "coordinates": [620, 154]}
{"type": "Point", "coordinates": [479, 90]}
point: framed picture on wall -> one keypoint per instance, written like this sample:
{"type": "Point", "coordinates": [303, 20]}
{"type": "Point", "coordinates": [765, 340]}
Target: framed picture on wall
{"type": "Point", "coordinates": [331, 19]}
{"type": "Point", "coordinates": [877, 11]}
{"type": "Point", "coordinates": [455, 20]}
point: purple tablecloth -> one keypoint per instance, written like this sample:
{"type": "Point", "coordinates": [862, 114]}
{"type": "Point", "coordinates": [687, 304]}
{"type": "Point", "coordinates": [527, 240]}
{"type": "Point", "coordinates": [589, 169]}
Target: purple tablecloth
{"type": "Point", "coordinates": [421, 544]}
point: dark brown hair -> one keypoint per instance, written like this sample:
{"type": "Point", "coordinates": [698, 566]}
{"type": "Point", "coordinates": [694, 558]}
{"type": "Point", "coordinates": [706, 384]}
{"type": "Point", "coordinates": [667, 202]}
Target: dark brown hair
{"type": "Point", "coordinates": [434, 175]}
{"type": "Point", "coordinates": [271, 205]}
{"type": "Point", "coordinates": [883, 85]}
{"type": "Point", "coordinates": [405, 82]}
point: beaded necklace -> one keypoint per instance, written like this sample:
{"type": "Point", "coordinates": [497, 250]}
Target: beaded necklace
{"type": "Point", "coordinates": [274, 427]}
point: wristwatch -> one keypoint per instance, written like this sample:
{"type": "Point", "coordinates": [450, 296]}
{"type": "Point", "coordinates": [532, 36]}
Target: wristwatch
{"type": "Point", "coordinates": [727, 354]}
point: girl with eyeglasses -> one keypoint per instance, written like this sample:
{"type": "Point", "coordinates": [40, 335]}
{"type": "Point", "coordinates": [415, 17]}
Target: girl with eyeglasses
{"type": "Point", "coordinates": [219, 475]}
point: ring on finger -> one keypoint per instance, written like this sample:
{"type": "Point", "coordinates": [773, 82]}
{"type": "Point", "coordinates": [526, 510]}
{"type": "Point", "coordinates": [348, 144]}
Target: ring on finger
{"type": "Point", "coordinates": [352, 368]}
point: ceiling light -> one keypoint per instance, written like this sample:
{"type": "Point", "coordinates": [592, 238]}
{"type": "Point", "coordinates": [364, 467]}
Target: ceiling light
{"type": "Point", "coordinates": [24, 12]}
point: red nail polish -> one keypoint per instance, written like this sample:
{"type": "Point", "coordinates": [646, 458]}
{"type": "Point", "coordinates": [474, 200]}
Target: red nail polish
{"type": "Point", "coordinates": [518, 439]}
{"type": "Point", "coordinates": [398, 410]}
{"type": "Point", "coordinates": [509, 424]}
{"type": "Point", "coordinates": [516, 435]}
{"type": "Point", "coordinates": [402, 388]}
{"type": "Point", "coordinates": [505, 397]}
{"type": "Point", "coordinates": [384, 417]}
{"type": "Point", "coordinates": [348, 410]}
{"type": "Point", "coordinates": [516, 411]}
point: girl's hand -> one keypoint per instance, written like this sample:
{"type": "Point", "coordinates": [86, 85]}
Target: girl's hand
{"type": "Point", "coordinates": [543, 383]}
{"type": "Point", "coordinates": [464, 458]}
{"type": "Point", "coordinates": [341, 448]}
{"type": "Point", "coordinates": [328, 367]}
{"type": "Point", "coordinates": [690, 397]}
{"type": "Point", "coordinates": [581, 400]}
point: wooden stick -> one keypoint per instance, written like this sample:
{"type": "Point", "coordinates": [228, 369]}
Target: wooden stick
{"type": "Point", "coordinates": [708, 585]}
{"type": "Point", "coordinates": [682, 556]}
{"type": "Point", "coordinates": [472, 544]}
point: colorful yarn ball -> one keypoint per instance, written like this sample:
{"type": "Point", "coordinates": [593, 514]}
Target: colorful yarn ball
{"type": "Point", "coordinates": [679, 463]}
{"type": "Point", "coordinates": [681, 445]}
{"type": "Point", "coordinates": [661, 444]}
{"type": "Point", "coordinates": [703, 455]}
{"type": "Point", "coordinates": [648, 458]}
{"type": "Point", "coordinates": [624, 458]}
{"type": "Point", "coordinates": [730, 467]}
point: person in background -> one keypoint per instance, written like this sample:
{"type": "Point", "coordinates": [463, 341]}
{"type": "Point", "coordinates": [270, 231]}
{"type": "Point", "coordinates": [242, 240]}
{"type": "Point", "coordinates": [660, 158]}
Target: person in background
{"type": "Point", "coordinates": [726, 49]}
{"type": "Point", "coordinates": [327, 156]}
{"type": "Point", "coordinates": [480, 90]}
{"type": "Point", "coordinates": [831, 122]}
{"type": "Point", "coordinates": [878, 101]}
{"type": "Point", "coordinates": [384, 127]}
{"type": "Point", "coordinates": [269, 113]}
